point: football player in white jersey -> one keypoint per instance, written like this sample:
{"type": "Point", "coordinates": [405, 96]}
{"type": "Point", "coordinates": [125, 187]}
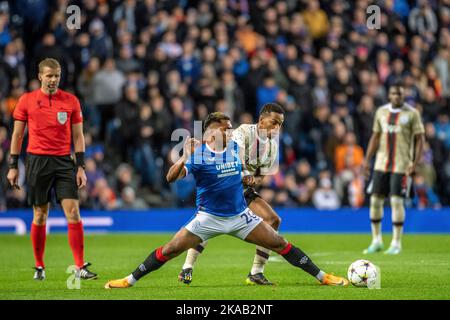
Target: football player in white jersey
{"type": "Point", "coordinates": [259, 153]}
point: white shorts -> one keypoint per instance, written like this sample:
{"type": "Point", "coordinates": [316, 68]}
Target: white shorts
{"type": "Point", "coordinates": [207, 226]}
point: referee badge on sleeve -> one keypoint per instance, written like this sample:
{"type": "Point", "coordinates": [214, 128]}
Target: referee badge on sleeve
{"type": "Point", "coordinates": [62, 117]}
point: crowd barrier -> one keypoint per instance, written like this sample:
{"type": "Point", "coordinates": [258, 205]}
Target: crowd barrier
{"type": "Point", "coordinates": [170, 220]}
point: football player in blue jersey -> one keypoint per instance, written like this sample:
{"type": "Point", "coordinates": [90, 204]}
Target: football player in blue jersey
{"type": "Point", "coordinates": [258, 146]}
{"type": "Point", "coordinates": [221, 206]}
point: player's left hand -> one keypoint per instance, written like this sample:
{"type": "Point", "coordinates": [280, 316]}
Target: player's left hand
{"type": "Point", "coordinates": [249, 181]}
{"type": "Point", "coordinates": [81, 178]}
{"type": "Point", "coordinates": [411, 170]}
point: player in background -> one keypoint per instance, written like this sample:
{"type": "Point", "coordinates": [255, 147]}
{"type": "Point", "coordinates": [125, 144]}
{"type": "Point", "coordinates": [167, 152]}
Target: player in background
{"type": "Point", "coordinates": [258, 147]}
{"type": "Point", "coordinates": [54, 118]}
{"type": "Point", "coordinates": [397, 140]}
{"type": "Point", "coordinates": [221, 207]}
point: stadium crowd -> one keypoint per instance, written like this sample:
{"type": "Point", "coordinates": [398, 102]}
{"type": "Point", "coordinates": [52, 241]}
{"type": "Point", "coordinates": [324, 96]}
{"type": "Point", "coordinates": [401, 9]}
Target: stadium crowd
{"type": "Point", "coordinates": [144, 68]}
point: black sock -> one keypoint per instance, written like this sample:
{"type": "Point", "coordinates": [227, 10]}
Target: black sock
{"type": "Point", "coordinates": [199, 248]}
{"type": "Point", "coordinates": [150, 264]}
{"type": "Point", "coordinates": [298, 258]}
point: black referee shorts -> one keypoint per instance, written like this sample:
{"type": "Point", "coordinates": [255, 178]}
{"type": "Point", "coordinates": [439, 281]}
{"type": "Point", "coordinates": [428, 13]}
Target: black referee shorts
{"type": "Point", "coordinates": [390, 184]}
{"type": "Point", "coordinates": [250, 194]}
{"type": "Point", "coordinates": [44, 173]}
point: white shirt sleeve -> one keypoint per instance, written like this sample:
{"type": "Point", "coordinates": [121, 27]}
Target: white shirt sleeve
{"type": "Point", "coordinates": [239, 136]}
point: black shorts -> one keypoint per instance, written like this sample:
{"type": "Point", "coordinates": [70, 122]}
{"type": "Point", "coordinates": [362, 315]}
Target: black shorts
{"type": "Point", "coordinates": [44, 173]}
{"type": "Point", "coordinates": [390, 184]}
{"type": "Point", "coordinates": [250, 194]}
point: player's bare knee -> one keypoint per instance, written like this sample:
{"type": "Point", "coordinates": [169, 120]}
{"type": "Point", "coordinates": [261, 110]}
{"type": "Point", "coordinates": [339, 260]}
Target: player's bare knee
{"type": "Point", "coordinates": [73, 215]}
{"type": "Point", "coordinates": [275, 222]}
{"type": "Point", "coordinates": [40, 215]}
{"type": "Point", "coordinates": [173, 249]}
{"type": "Point", "coordinates": [376, 201]}
{"type": "Point", "coordinates": [277, 243]}
{"type": "Point", "coordinates": [376, 207]}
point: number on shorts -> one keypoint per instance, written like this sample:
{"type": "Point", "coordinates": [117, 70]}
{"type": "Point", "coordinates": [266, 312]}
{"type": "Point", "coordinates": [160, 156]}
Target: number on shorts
{"type": "Point", "coordinates": [249, 216]}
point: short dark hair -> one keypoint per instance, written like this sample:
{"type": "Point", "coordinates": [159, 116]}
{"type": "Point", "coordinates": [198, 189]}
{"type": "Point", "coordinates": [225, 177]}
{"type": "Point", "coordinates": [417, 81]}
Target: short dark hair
{"type": "Point", "coordinates": [271, 107]}
{"type": "Point", "coordinates": [214, 117]}
{"type": "Point", "coordinates": [397, 84]}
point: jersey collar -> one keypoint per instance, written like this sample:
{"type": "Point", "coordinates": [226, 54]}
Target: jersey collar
{"type": "Point", "coordinates": [213, 151]}
{"type": "Point", "coordinates": [395, 110]}
{"type": "Point", "coordinates": [42, 94]}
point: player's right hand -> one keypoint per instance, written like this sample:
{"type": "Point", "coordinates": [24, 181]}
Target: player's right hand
{"type": "Point", "coordinates": [189, 147]}
{"type": "Point", "coordinates": [366, 170]}
{"type": "Point", "coordinates": [13, 177]}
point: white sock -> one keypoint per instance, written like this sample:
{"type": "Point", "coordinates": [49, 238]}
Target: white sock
{"type": "Point", "coordinates": [397, 236]}
{"type": "Point", "coordinates": [376, 214]}
{"type": "Point", "coordinates": [398, 217]}
{"type": "Point", "coordinates": [131, 280]}
{"type": "Point", "coordinates": [192, 255]}
{"type": "Point", "coordinates": [320, 275]}
{"type": "Point", "coordinates": [260, 260]}
{"type": "Point", "coordinates": [376, 233]}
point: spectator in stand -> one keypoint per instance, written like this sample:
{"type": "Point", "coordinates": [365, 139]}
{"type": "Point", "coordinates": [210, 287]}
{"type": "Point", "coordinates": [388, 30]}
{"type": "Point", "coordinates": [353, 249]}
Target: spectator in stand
{"type": "Point", "coordinates": [348, 159]}
{"type": "Point", "coordinates": [424, 194]}
{"type": "Point", "coordinates": [267, 92]}
{"type": "Point", "coordinates": [325, 198]}
{"type": "Point", "coordinates": [107, 91]}
{"type": "Point", "coordinates": [422, 19]}
{"type": "Point", "coordinates": [442, 126]}
{"type": "Point", "coordinates": [129, 201]}
{"type": "Point", "coordinates": [143, 153]}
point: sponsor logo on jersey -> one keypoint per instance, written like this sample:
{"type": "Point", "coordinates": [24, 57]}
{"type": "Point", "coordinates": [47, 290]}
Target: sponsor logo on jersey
{"type": "Point", "coordinates": [393, 128]}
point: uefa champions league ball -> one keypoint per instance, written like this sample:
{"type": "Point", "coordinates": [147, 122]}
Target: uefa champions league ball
{"type": "Point", "coordinates": [362, 273]}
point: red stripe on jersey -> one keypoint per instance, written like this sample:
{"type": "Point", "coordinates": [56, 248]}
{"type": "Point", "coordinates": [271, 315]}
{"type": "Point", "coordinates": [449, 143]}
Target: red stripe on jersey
{"type": "Point", "coordinates": [387, 143]}
{"type": "Point", "coordinates": [394, 138]}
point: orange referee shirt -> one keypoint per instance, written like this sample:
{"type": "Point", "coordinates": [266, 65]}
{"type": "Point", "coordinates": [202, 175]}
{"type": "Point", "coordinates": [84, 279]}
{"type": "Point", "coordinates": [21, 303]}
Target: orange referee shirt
{"type": "Point", "coordinates": [49, 119]}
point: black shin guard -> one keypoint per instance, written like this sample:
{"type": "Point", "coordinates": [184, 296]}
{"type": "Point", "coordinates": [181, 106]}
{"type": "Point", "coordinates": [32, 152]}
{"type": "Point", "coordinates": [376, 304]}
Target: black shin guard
{"type": "Point", "coordinates": [298, 258]}
{"type": "Point", "coordinates": [150, 264]}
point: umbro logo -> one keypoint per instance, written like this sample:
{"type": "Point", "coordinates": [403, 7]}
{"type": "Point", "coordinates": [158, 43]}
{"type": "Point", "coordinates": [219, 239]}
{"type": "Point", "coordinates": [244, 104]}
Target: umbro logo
{"type": "Point", "coordinates": [304, 260]}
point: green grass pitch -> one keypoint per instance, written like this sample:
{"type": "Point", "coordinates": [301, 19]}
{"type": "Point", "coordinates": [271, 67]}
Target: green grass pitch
{"type": "Point", "coordinates": [421, 271]}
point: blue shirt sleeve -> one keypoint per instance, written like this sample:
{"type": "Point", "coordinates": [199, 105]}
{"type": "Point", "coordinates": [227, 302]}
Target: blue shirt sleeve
{"type": "Point", "coordinates": [192, 166]}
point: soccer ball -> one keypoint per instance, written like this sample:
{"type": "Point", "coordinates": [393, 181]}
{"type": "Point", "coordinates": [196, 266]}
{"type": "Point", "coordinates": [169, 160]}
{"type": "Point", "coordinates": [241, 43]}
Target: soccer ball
{"type": "Point", "coordinates": [362, 273]}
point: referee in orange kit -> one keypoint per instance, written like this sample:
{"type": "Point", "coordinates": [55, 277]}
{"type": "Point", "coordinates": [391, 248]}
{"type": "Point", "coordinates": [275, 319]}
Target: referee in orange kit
{"type": "Point", "coordinates": [53, 117]}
